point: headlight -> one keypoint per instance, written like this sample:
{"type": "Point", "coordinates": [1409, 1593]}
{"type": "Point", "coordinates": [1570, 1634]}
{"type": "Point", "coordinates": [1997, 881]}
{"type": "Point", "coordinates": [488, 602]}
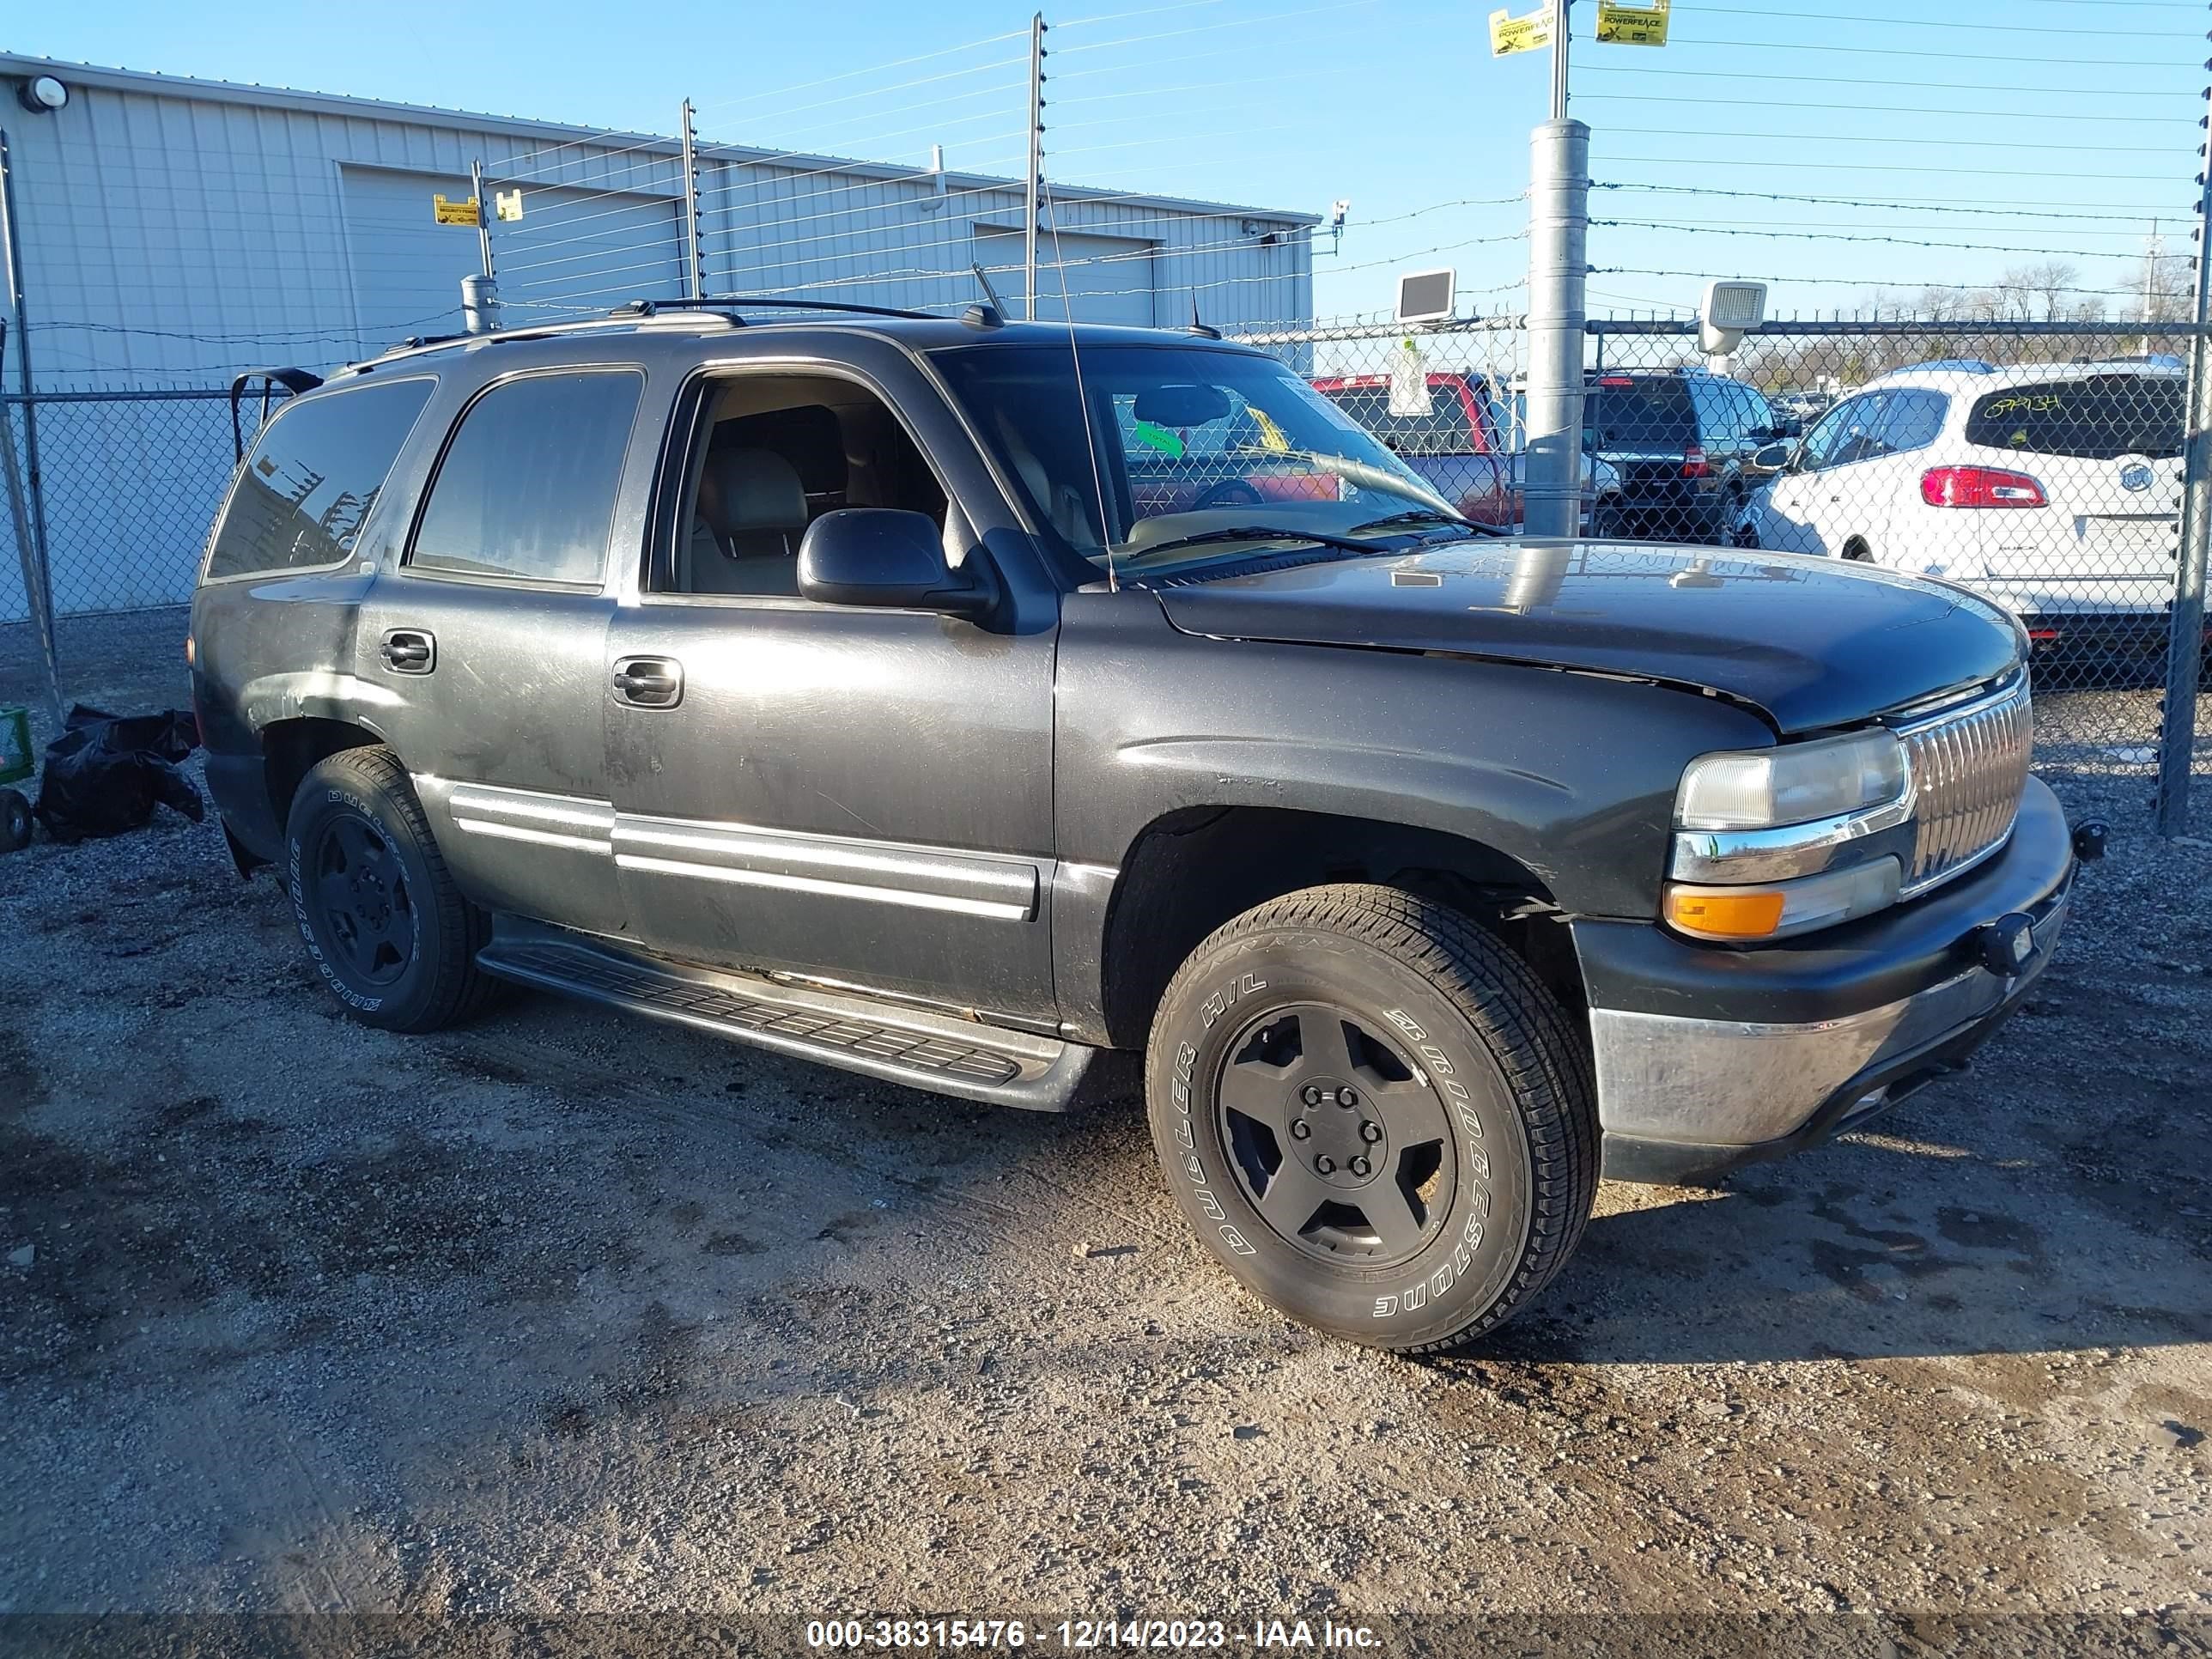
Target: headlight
{"type": "Point", "coordinates": [1796, 783]}
{"type": "Point", "coordinates": [1770, 842]}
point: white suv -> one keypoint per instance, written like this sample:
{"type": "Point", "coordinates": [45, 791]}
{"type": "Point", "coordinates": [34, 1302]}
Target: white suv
{"type": "Point", "coordinates": [2050, 487]}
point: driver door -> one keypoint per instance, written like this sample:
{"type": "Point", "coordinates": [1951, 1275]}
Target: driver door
{"type": "Point", "coordinates": [851, 794]}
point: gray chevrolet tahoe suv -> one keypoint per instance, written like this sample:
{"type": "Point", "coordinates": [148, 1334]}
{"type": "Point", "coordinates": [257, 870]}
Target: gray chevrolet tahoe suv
{"type": "Point", "coordinates": [843, 684]}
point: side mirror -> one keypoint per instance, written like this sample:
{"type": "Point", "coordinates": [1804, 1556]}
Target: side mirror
{"type": "Point", "coordinates": [884, 556]}
{"type": "Point", "coordinates": [1773, 458]}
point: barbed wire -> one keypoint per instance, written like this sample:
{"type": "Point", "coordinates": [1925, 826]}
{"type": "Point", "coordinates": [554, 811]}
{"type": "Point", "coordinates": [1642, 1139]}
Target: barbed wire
{"type": "Point", "coordinates": [1841, 236]}
{"type": "Point", "coordinates": [1735, 77]}
{"type": "Point", "coordinates": [1891, 205]}
{"type": "Point", "coordinates": [2010, 26]}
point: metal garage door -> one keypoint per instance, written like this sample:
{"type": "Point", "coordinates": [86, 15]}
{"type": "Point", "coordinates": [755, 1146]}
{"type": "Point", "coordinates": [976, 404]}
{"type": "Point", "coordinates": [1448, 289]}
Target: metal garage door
{"type": "Point", "coordinates": [1109, 278]}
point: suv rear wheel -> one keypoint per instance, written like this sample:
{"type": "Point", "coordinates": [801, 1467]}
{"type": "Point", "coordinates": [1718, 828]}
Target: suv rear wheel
{"type": "Point", "coordinates": [1375, 1115]}
{"type": "Point", "coordinates": [380, 913]}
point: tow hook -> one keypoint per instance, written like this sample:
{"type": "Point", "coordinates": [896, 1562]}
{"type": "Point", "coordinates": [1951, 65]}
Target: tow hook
{"type": "Point", "coordinates": [2089, 841]}
{"type": "Point", "coordinates": [2007, 944]}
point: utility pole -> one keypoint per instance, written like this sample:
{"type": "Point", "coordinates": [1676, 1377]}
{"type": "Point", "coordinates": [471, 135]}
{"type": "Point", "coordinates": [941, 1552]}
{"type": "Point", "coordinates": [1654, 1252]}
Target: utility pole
{"type": "Point", "coordinates": [1559, 260]}
{"type": "Point", "coordinates": [692, 265]}
{"type": "Point", "coordinates": [480, 292]}
{"type": "Point", "coordinates": [483, 215]}
{"type": "Point", "coordinates": [2185, 644]}
{"type": "Point", "coordinates": [2151, 255]}
{"type": "Point", "coordinates": [1031, 205]}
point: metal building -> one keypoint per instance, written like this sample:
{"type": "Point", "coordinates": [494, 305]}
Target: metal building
{"type": "Point", "coordinates": [171, 231]}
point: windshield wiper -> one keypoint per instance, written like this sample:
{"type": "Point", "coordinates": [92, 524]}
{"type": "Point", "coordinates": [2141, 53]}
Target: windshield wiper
{"type": "Point", "coordinates": [1361, 474]}
{"type": "Point", "coordinates": [1425, 515]}
{"type": "Point", "coordinates": [1255, 532]}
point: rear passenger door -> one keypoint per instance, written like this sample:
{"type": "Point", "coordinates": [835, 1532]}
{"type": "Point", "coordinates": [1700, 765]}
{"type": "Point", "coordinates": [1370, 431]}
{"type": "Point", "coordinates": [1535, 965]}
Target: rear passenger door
{"type": "Point", "coordinates": [486, 648]}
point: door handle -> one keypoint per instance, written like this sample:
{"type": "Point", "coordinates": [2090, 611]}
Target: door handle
{"type": "Point", "coordinates": [649, 682]}
{"type": "Point", "coordinates": [407, 650]}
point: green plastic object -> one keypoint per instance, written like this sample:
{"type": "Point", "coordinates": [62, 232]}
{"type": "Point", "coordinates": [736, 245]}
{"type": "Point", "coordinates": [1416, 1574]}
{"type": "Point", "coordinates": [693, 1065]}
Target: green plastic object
{"type": "Point", "coordinates": [17, 760]}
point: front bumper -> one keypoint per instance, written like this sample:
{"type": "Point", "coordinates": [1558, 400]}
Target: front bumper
{"type": "Point", "coordinates": [1710, 1058]}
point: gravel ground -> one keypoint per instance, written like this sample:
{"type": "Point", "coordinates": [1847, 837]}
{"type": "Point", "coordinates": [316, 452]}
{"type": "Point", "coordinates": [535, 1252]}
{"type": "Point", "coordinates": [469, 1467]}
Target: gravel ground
{"type": "Point", "coordinates": [565, 1312]}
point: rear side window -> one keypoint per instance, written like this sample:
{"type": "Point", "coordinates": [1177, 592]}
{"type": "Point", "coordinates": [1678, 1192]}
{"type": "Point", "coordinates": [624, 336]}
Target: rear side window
{"type": "Point", "coordinates": [1758, 413]}
{"type": "Point", "coordinates": [2099, 417]}
{"type": "Point", "coordinates": [313, 475]}
{"type": "Point", "coordinates": [526, 488]}
{"type": "Point", "coordinates": [1718, 414]}
{"type": "Point", "coordinates": [1640, 412]}
{"type": "Point", "coordinates": [1913, 420]}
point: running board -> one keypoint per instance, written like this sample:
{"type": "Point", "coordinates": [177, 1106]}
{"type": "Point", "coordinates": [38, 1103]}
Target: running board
{"type": "Point", "coordinates": [895, 1041]}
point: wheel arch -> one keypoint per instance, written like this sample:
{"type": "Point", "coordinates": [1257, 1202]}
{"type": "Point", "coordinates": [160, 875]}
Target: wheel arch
{"type": "Point", "coordinates": [293, 747]}
{"type": "Point", "coordinates": [1192, 869]}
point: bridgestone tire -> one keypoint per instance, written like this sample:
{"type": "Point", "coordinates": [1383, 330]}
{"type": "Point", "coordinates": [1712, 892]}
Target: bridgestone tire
{"type": "Point", "coordinates": [1467, 1019]}
{"type": "Point", "coordinates": [431, 979]}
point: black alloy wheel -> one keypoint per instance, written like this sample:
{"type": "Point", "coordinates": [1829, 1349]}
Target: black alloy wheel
{"type": "Point", "coordinates": [1374, 1115]}
{"type": "Point", "coordinates": [1341, 1143]}
{"type": "Point", "coordinates": [362, 907]}
{"type": "Point", "coordinates": [386, 925]}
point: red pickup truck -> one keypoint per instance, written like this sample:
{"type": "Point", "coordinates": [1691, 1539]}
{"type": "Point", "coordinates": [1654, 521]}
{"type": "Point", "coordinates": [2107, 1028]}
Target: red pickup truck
{"type": "Point", "coordinates": [1460, 446]}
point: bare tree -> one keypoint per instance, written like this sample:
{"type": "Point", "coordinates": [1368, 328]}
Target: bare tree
{"type": "Point", "coordinates": [2040, 292]}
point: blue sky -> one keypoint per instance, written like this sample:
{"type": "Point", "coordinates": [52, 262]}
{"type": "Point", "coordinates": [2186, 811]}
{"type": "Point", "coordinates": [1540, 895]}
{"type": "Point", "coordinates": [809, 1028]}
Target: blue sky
{"type": "Point", "coordinates": [1944, 147]}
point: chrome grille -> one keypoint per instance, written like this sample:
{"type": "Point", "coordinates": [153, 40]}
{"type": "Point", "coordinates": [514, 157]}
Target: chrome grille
{"type": "Point", "coordinates": [1969, 767]}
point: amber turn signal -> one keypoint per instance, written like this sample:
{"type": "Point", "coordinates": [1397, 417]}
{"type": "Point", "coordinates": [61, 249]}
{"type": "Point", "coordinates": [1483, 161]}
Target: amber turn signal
{"type": "Point", "coordinates": [1754, 912]}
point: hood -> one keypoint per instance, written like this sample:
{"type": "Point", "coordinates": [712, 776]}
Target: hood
{"type": "Point", "coordinates": [1813, 642]}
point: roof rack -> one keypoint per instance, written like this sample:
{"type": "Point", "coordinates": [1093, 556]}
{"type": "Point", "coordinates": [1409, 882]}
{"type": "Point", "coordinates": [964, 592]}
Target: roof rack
{"type": "Point", "coordinates": [728, 302]}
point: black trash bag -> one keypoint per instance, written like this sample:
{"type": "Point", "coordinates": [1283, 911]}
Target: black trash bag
{"type": "Point", "coordinates": [106, 774]}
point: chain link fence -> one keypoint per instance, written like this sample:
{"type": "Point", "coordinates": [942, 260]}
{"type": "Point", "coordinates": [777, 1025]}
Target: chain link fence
{"type": "Point", "coordinates": [2041, 466]}
{"type": "Point", "coordinates": [2038, 465]}
{"type": "Point", "coordinates": [128, 482]}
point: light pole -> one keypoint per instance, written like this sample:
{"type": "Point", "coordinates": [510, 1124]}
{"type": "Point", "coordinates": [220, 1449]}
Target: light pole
{"type": "Point", "coordinates": [1559, 237]}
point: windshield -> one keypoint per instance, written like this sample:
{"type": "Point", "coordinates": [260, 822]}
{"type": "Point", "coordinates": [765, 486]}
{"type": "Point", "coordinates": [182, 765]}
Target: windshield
{"type": "Point", "coordinates": [1189, 440]}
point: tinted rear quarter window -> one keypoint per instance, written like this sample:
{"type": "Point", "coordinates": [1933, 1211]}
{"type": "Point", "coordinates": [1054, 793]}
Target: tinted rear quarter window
{"type": "Point", "coordinates": [1634, 412]}
{"type": "Point", "coordinates": [2099, 417]}
{"type": "Point", "coordinates": [1911, 420]}
{"type": "Point", "coordinates": [527, 486]}
{"type": "Point", "coordinates": [314, 474]}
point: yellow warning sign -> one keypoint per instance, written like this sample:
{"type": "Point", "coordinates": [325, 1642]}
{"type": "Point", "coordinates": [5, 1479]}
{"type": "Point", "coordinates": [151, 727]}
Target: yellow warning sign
{"type": "Point", "coordinates": [1622, 24]}
{"type": "Point", "coordinates": [1509, 34]}
{"type": "Point", "coordinates": [463, 212]}
{"type": "Point", "coordinates": [506, 206]}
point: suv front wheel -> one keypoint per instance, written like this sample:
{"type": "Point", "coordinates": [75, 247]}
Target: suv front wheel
{"type": "Point", "coordinates": [383, 922]}
{"type": "Point", "coordinates": [1374, 1115]}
